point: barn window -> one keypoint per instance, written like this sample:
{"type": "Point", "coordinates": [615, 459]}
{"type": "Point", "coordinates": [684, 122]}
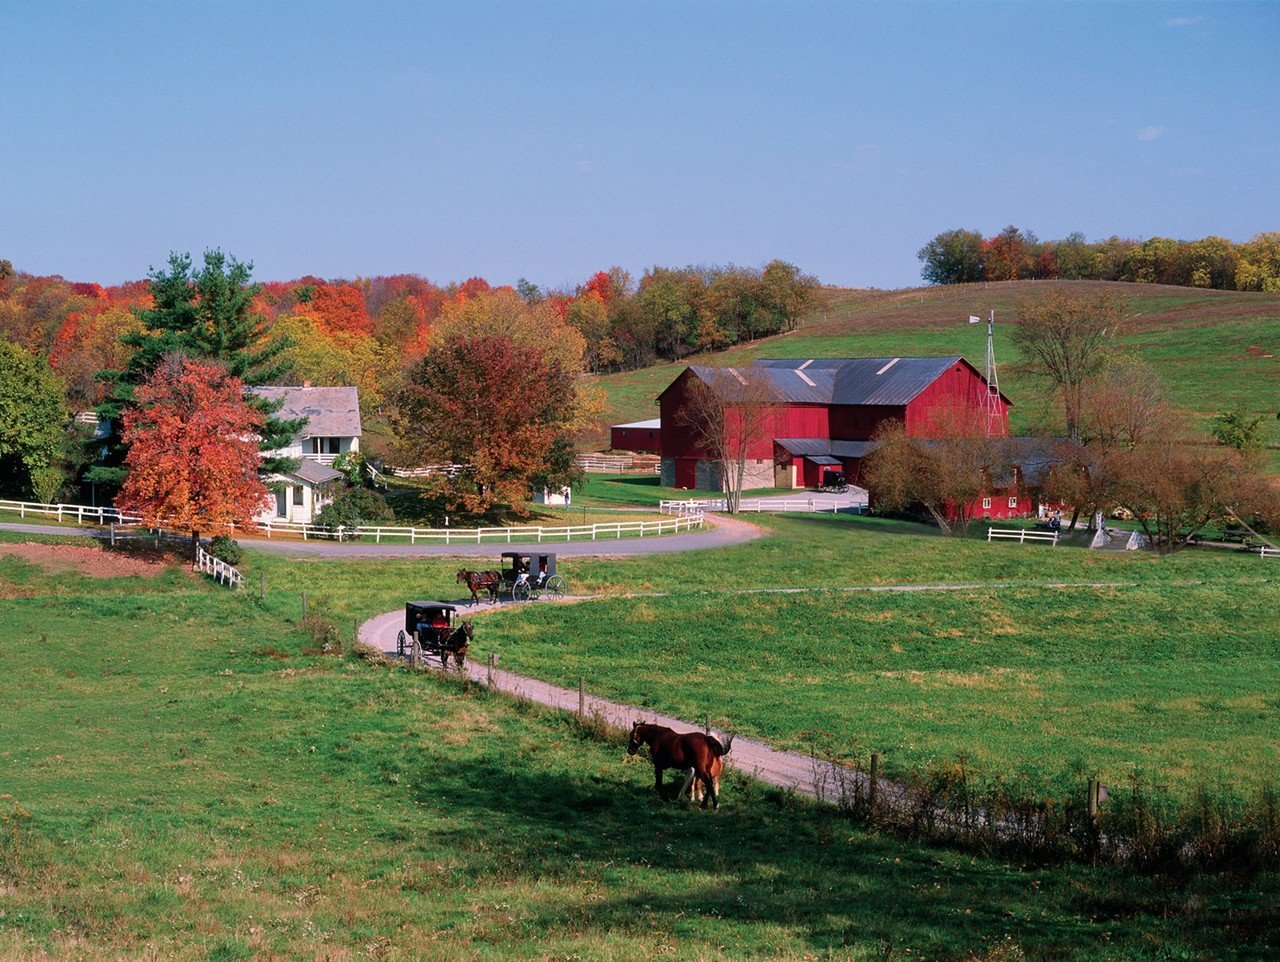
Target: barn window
{"type": "Point", "coordinates": [1013, 502]}
{"type": "Point", "coordinates": [986, 504]}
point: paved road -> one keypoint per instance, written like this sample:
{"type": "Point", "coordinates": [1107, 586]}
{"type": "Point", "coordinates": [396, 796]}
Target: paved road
{"type": "Point", "coordinates": [719, 533]}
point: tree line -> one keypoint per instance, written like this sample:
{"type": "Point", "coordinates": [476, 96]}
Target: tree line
{"type": "Point", "coordinates": [369, 332]}
{"type": "Point", "coordinates": [496, 383]}
{"type": "Point", "coordinates": [966, 257]}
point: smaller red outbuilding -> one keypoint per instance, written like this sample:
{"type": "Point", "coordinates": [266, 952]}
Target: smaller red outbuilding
{"type": "Point", "coordinates": [637, 436]}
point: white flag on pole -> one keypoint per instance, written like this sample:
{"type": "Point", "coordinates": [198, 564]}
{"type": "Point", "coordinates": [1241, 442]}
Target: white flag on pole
{"type": "Point", "coordinates": [974, 320]}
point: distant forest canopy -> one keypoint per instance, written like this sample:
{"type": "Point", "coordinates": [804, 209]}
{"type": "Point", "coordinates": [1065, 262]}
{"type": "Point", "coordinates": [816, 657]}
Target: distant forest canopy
{"type": "Point", "coordinates": [368, 331]}
{"type": "Point", "coordinates": [965, 257]}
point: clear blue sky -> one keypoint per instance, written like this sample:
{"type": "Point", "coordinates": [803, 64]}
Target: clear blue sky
{"type": "Point", "coordinates": [548, 140]}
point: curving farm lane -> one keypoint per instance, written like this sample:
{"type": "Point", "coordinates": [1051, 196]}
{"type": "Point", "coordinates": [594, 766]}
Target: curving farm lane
{"type": "Point", "coordinates": [720, 532]}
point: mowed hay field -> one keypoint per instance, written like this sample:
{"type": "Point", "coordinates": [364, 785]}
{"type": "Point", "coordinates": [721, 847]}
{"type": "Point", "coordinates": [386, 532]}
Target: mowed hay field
{"type": "Point", "coordinates": [180, 779]}
{"type": "Point", "coordinates": [1198, 340]}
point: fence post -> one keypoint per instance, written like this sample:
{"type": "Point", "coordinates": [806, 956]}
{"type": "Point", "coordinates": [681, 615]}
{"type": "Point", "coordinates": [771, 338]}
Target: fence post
{"type": "Point", "coordinates": [416, 653]}
{"type": "Point", "coordinates": [1093, 799]}
{"type": "Point", "coordinates": [113, 534]}
{"type": "Point", "coordinates": [873, 787]}
{"type": "Point", "coordinates": [490, 660]}
{"type": "Point", "coordinates": [304, 604]}
{"type": "Point", "coordinates": [355, 632]}
{"type": "Point", "coordinates": [262, 585]}
{"type": "Point", "coordinates": [582, 697]}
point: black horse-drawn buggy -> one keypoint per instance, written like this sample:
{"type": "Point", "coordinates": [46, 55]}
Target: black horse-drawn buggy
{"type": "Point", "coordinates": [521, 576]}
{"type": "Point", "coordinates": [437, 631]}
{"type": "Point", "coordinates": [526, 576]}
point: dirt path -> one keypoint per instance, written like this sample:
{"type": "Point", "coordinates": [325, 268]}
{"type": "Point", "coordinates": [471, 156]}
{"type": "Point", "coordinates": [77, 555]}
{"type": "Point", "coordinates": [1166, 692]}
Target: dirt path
{"type": "Point", "coordinates": [788, 770]}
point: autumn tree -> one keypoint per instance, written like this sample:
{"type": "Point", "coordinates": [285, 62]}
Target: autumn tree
{"type": "Point", "coordinates": [193, 455]}
{"type": "Point", "coordinates": [340, 309]}
{"type": "Point", "coordinates": [945, 474]}
{"type": "Point", "coordinates": [729, 414]}
{"type": "Point", "coordinates": [1063, 338]}
{"type": "Point", "coordinates": [498, 389]}
{"type": "Point", "coordinates": [206, 315]}
{"type": "Point", "coordinates": [33, 420]}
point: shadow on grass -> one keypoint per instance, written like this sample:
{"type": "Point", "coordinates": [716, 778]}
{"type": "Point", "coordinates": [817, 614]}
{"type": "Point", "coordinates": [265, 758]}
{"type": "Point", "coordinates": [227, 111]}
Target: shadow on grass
{"type": "Point", "coordinates": [867, 522]}
{"type": "Point", "coordinates": [771, 860]}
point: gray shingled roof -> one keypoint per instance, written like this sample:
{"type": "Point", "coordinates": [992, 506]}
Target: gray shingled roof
{"type": "Point", "coordinates": [849, 380]}
{"type": "Point", "coordinates": [313, 472]}
{"type": "Point", "coordinates": [331, 412]}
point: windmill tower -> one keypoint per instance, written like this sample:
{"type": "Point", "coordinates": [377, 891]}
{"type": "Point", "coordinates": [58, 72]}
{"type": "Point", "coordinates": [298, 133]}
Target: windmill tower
{"type": "Point", "coordinates": [991, 402]}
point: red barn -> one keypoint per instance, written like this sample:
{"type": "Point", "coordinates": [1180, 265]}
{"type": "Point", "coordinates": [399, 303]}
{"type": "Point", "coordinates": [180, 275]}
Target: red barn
{"type": "Point", "coordinates": [644, 436]}
{"type": "Point", "coordinates": [826, 413]}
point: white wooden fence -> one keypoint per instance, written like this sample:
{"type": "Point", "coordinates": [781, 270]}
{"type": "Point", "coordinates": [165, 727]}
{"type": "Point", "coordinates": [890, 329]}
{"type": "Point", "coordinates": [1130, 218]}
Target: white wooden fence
{"type": "Point", "coordinates": [217, 569]}
{"type": "Point", "coordinates": [1021, 535]}
{"type": "Point", "coordinates": [616, 464]}
{"type": "Point", "coordinates": [1266, 551]}
{"type": "Point", "coordinates": [537, 533]}
{"type": "Point", "coordinates": [760, 505]}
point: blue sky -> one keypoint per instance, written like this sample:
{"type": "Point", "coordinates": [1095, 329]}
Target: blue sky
{"type": "Point", "coordinates": [548, 140]}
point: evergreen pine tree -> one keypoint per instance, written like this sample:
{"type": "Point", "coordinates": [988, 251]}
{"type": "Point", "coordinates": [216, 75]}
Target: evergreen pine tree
{"type": "Point", "coordinates": [202, 315]}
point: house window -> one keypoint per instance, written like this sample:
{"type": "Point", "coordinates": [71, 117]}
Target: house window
{"type": "Point", "coordinates": [297, 495]}
{"type": "Point", "coordinates": [1013, 502]}
{"type": "Point", "coordinates": [986, 504]}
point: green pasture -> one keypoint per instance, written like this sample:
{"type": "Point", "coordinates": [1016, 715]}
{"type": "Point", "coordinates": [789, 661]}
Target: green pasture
{"type": "Point", "coordinates": [1167, 671]}
{"type": "Point", "coordinates": [1197, 340]}
{"type": "Point", "coordinates": [180, 779]}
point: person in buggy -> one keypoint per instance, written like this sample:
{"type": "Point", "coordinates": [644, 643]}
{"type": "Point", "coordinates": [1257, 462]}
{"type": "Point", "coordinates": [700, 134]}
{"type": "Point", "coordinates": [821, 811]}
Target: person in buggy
{"type": "Point", "coordinates": [542, 573]}
{"type": "Point", "coordinates": [522, 571]}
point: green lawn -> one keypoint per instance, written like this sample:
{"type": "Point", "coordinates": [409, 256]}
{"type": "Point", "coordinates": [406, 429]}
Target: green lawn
{"type": "Point", "coordinates": [179, 780]}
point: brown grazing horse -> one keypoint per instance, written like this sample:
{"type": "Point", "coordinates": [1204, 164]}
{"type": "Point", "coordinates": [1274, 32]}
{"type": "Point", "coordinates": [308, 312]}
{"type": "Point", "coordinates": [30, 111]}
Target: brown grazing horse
{"type": "Point", "coordinates": [479, 581]}
{"type": "Point", "coordinates": [693, 785]}
{"type": "Point", "coordinates": [693, 750]}
{"type": "Point", "coordinates": [456, 644]}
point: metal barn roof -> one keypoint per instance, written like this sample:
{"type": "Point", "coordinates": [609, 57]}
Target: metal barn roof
{"type": "Point", "coordinates": [848, 380]}
{"type": "Point", "coordinates": [652, 424]}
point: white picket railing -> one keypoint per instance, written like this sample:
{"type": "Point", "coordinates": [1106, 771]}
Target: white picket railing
{"type": "Point", "coordinates": [616, 464]}
{"type": "Point", "coordinates": [1021, 535]}
{"type": "Point", "coordinates": [217, 569]}
{"type": "Point", "coordinates": [1266, 551]}
{"type": "Point", "coordinates": [538, 533]}
{"type": "Point", "coordinates": [760, 505]}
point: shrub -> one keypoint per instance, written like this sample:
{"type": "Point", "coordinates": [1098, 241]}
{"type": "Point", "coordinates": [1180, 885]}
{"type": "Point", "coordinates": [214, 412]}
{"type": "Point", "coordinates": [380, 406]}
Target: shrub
{"type": "Point", "coordinates": [351, 464]}
{"type": "Point", "coordinates": [352, 507]}
{"type": "Point", "coordinates": [227, 549]}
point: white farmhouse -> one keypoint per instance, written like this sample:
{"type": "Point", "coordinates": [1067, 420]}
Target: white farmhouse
{"type": "Point", "coordinates": [332, 428]}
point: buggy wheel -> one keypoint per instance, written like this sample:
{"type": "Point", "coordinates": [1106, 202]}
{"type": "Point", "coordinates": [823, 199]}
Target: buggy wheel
{"type": "Point", "coordinates": [555, 586]}
{"type": "Point", "coordinates": [400, 645]}
{"type": "Point", "coordinates": [520, 592]}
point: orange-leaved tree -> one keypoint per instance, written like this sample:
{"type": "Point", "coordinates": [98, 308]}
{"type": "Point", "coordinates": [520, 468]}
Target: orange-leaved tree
{"type": "Point", "coordinates": [193, 451]}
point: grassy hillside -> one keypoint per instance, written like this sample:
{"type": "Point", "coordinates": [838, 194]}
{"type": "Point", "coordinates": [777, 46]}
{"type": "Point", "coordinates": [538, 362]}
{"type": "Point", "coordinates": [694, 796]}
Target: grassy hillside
{"type": "Point", "coordinates": [182, 779]}
{"type": "Point", "coordinates": [1197, 339]}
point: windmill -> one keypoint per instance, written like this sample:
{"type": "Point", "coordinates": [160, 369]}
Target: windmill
{"type": "Point", "coordinates": [991, 402]}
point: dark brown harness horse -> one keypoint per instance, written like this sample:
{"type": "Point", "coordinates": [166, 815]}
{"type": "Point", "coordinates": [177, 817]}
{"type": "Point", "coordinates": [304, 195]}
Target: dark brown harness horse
{"type": "Point", "coordinates": [693, 750]}
{"type": "Point", "coordinates": [479, 581]}
{"type": "Point", "coordinates": [455, 644]}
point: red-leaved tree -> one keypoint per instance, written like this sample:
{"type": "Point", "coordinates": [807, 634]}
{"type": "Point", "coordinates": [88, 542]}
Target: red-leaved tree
{"type": "Point", "coordinates": [193, 451]}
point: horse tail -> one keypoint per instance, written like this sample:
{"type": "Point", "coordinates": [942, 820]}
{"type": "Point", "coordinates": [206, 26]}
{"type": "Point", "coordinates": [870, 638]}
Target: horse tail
{"type": "Point", "coordinates": [719, 748]}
